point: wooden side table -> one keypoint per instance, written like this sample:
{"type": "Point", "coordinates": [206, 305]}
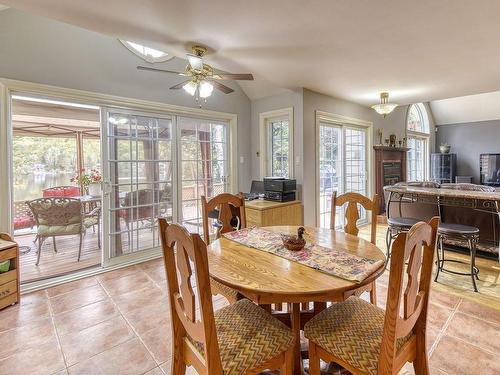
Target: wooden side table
{"type": "Point", "coordinates": [9, 281]}
{"type": "Point", "coordinates": [262, 213]}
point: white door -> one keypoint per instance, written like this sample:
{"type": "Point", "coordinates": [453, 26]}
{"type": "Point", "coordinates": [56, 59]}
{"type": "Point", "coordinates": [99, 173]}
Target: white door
{"type": "Point", "coordinates": [138, 182]}
{"type": "Point", "coordinates": [203, 166]}
{"type": "Point", "coordinates": [342, 167]}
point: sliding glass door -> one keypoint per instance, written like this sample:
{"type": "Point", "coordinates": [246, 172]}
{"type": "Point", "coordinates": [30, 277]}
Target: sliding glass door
{"type": "Point", "coordinates": [157, 165]}
{"type": "Point", "coordinates": [342, 167]}
{"type": "Point", "coordinates": [203, 166]}
{"type": "Point", "coordinates": [139, 176]}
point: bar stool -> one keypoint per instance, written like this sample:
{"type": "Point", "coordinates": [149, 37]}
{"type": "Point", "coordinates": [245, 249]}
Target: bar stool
{"type": "Point", "coordinates": [402, 224]}
{"type": "Point", "coordinates": [458, 232]}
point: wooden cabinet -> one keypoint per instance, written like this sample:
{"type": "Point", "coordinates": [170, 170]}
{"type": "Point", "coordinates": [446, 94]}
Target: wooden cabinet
{"type": "Point", "coordinates": [9, 281]}
{"type": "Point", "coordinates": [263, 213]}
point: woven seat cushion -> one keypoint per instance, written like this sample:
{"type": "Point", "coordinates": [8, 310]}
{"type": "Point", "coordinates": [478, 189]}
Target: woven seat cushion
{"type": "Point", "coordinates": [248, 336]}
{"type": "Point", "coordinates": [352, 331]}
{"type": "Point", "coordinates": [219, 288]}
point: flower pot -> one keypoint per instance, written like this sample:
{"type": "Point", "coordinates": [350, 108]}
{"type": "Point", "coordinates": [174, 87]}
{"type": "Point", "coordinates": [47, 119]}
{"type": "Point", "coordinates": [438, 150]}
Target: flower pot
{"type": "Point", "coordinates": [95, 190]}
{"type": "Point", "coordinates": [445, 149]}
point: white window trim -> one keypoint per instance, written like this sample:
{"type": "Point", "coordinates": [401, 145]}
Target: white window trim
{"type": "Point", "coordinates": [264, 118]}
{"type": "Point", "coordinates": [420, 135]}
{"type": "Point", "coordinates": [149, 59]}
{"type": "Point", "coordinates": [344, 121]}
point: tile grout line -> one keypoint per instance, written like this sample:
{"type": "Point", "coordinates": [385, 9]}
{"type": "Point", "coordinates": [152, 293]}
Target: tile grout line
{"type": "Point", "coordinates": [444, 328]}
{"type": "Point", "coordinates": [130, 325]}
{"type": "Point", "coordinates": [51, 314]}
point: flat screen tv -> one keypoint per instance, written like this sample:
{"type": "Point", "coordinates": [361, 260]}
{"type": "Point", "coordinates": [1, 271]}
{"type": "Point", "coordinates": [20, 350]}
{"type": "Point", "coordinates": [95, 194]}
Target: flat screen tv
{"type": "Point", "coordinates": [489, 165]}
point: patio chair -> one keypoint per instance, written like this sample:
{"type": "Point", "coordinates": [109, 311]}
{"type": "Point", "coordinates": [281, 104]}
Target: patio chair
{"type": "Point", "coordinates": [62, 217]}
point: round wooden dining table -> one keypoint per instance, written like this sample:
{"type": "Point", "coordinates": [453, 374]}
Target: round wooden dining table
{"type": "Point", "coordinates": [266, 278]}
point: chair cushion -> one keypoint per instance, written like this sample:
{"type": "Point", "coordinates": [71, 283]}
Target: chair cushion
{"type": "Point", "coordinates": [352, 331]}
{"type": "Point", "coordinates": [248, 336]}
{"type": "Point", "coordinates": [59, 230]}
{"type": "Point", "coordinates": [89, 221]}
{"type": "Point", "coordinates": [229, 293]}
{"type": "Point", "coordinates": [402, 221]}
{"type": "Point", "coordinates": [450, 228]}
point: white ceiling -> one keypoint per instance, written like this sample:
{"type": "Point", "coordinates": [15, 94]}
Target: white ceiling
{"type": "Point", "coordinates": [471, 108]}
{"type": "Point", "coordinates": [353, 49]}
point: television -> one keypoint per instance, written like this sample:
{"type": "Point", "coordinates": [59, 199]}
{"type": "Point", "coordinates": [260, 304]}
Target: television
{"type": "Point", "coordinates": [489, 169]}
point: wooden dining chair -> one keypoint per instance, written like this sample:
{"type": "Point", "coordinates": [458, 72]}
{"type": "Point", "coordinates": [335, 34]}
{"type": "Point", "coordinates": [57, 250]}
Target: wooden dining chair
{"type": "Point", "coordinates": [238, 339]}
{"type": "Point", "coordinates": [363, 338]}
{"type": "Point", "coordinates": [230, 217]}
{"type": "Point", "coordinates": [351, 227]}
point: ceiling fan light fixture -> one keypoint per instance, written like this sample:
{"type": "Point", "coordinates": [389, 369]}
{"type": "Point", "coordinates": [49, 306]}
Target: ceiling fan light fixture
{"type": "Point", "coordinates": [206, 89]}
{"type": "Point", "coordinates": [384, 107]}
{"type": "Point", "coordinates": [190, 88]}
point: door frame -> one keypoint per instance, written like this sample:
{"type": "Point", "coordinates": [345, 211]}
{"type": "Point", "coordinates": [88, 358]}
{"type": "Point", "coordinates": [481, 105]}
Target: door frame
{"type": "Point", "coordinates": [343, 122]}
{"type": "Point", "coordinates": [9, 87]}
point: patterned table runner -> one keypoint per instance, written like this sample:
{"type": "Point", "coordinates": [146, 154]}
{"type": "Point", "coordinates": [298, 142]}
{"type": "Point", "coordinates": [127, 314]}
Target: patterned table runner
{"type": "Point", "coordinates": [331, 261]}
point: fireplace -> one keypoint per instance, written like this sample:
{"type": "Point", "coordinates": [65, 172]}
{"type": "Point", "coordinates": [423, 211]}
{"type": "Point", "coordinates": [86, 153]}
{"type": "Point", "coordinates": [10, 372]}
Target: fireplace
{"type": "Point", "coordinates": [390, 168]}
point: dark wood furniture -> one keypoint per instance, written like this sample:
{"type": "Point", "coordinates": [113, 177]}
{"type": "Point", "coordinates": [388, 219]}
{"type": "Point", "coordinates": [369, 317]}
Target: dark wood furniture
{"type": "Point", "coordinates": [269, 279]}
{"type": "Point", "coordinates": [366, 340]}
{"type": "Point", "coordinates": [443, 168]}
{"type": "Point", "coordinates": [390, 168]}
{"type": "Point", "coordinates": [240, 338]}
{"type": "Point", "coordinates": [351, 227]}
{"type": "Point", "coordinates": [10, 280]}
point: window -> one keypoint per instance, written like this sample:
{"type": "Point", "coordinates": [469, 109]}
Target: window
{"type": "Point", "coordinates": [417, 134]}
{"type": "Point", "coordinates": [342, 163]}
{"type": "Point", "coordinates": [148, 54]}
{"type": "Point", "coordinates": [277, 143]}
{"type": "Point", "coordinates": [278, 148]}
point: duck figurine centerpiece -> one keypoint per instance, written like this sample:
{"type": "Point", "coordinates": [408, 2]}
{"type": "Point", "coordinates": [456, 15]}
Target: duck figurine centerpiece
{"type": "Point", "coordinates": [294, 243]}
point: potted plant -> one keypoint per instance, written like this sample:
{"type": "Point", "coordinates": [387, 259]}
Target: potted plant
{"type": "Point", "coordinates": [90, 182]}
{"type": "Point", "coordinates": [444, 148]}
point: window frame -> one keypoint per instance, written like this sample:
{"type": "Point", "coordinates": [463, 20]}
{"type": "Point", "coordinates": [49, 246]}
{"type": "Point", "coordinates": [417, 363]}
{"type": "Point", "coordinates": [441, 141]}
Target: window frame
{"type": "Point", "coordinates": [265, 120]}
{"type": "Point", "coordinates": [425, 136]}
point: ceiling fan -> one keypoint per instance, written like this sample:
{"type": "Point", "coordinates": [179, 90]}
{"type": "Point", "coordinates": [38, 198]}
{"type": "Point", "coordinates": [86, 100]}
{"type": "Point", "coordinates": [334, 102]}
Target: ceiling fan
{"type": "Point", "coordinates": [202, 78]}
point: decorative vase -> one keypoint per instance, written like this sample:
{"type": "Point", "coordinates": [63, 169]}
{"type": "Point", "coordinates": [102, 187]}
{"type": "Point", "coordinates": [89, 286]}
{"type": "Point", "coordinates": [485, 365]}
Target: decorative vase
{"type": "Point", "coordinates": [94, 190]}
{"type": "Point", "coordinates": [445, 149]}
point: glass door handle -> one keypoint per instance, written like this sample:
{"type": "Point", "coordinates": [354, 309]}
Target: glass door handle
{"type": "Point", "coordinates": [106, 187]}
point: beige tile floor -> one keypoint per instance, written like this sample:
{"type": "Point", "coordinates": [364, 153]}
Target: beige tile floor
{"type": "Point", "coordinates": [118, 323]}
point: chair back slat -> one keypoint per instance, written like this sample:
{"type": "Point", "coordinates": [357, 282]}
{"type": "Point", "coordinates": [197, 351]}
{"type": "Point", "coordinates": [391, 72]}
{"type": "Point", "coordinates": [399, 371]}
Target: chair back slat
{"type": "Point", "coordinates": [417, 249]}
{"type": "Point", "coordinates": [185, 254]}
{"type": "Point", "coordinates": [56, 211]}
{"type": "Point", "coordinates": [229, 206]}
{"type": "Point", "coordinates": [352, 212]}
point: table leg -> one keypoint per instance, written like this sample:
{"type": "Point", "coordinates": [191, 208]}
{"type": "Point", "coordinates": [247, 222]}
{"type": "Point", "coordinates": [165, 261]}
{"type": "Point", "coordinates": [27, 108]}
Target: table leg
{"type": "Point", "coordinates": [295, 319]}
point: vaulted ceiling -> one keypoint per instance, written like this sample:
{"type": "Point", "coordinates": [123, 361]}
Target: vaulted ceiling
{"type": "Point", "coordinates": [352, 49]}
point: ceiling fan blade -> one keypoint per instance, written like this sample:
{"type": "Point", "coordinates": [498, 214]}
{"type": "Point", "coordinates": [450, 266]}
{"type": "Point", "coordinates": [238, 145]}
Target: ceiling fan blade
{"type": "Point", "coordinates": [196, 62]}
{"type": "Point", "coordinates": [179, 85]}
{"type": "Point", "coordinates": [221, 87]}
{"type": "Point", "coordinates": [160, 70]}
{"type": "Point", "coordinates": [235, 76]}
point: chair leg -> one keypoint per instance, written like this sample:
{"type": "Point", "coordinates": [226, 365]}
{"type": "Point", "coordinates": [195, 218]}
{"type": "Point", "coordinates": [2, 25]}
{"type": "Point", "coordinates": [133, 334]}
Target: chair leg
{"type": "Point", "coordinates": [54, 242]}
{"type": "Point", "coordinates": [314, 365]}
{"type": "Point", "coordinates": [287, 366]}
{"type": "Point", "coordinates": [438, 261]}
{"type": "Point", "coordinates": [40, 243]}
{"type": "Point", "coordinates": [373, 293]}
{"type": "Point", "coordinates": [80, 248]}
{"type": "Point", "coordinates": [388, 240]}
{"type": "Point", "coordinates": [473, 273]}
{"type": "Point", "coordinates": [421, 362]}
